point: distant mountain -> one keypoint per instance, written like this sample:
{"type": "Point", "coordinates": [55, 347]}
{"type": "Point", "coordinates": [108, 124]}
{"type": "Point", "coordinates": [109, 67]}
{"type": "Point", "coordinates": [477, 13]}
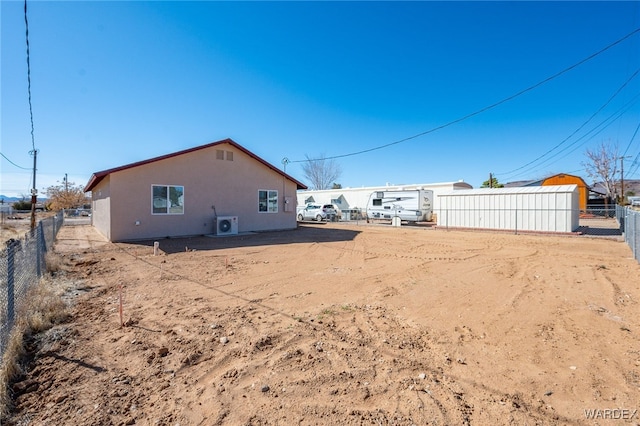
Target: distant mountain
{"type": "Point", "coordinates": [8, 200]}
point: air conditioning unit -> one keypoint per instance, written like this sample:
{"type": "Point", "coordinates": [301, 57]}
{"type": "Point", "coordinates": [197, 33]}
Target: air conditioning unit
{"type": "Point", "coordinates": [226, 225]}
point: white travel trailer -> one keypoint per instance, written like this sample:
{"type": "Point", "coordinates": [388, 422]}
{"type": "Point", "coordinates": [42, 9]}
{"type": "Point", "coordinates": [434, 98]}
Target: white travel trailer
{"type": "Point", "coordinates": [414, 205]}
{"type": "Point", "coordinates": [351, 202]}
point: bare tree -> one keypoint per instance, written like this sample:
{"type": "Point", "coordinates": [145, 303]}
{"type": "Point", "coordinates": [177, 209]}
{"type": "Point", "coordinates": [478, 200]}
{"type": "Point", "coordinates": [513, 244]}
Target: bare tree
{"type": "Point", "coordinates": [65, 196]}
{"type": "Point", "coordinates": [602, 166]}
{"type": "Point", "coordinates": [321, 172]}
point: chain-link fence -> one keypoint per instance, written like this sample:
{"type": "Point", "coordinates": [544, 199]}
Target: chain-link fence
{"type": "Point", "coordinates": [22, 263]}
{"type": "Point", "coordinates": [629, 220]}
{"type": "Point", "coordinates": [599, 212]}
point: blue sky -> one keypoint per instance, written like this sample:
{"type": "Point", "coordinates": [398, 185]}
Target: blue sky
{"type": "Point", "coordinates": [121, 81]}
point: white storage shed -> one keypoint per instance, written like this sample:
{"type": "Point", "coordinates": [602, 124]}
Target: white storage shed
{"type": "Point", "coordinates": [539, 208]}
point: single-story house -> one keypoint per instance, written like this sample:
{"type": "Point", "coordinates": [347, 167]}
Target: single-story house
{"type": "Point", "coordinates": [599, 191]}
{"type": "Point", "coordinates": [218, 188]}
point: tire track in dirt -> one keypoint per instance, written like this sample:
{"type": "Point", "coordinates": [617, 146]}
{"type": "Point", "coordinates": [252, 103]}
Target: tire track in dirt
{"type": "Point", "coordinates": [257, 343]}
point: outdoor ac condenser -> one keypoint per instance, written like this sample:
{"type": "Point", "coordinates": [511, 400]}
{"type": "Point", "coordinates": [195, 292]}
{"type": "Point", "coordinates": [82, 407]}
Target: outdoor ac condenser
{"type": "Point", "coordinates": [226, 225]}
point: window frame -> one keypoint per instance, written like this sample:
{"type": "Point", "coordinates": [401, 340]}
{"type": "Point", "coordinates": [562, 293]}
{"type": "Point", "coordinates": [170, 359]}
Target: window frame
{"type": "Point", "coordinates": [167, 198]}
{"type": "Point", "coordinates": [271, 198]}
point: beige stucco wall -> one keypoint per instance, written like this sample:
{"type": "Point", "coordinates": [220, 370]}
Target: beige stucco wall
{"type": "Point", "coordinates": [231, 186]}
{"type": "Point", "coordinates": [100, 207]}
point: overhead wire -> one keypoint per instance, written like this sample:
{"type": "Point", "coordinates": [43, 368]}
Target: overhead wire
{"type": "Point", "coordinates": [631, 140]}
{"type": "Point", "coordinates": [604, 105]}
{"type": "Point", "coordinates": [633, 54]}
{"type": "Point", "coordinates": [636, 161]}
{"type": "Point", "coordinates": [20, 167]}
{"type": "Point", "coordinates": [26, 22]}
{"type": "Point", "coordinates": [484, 109]}
{"type": "Point", "coordinates": [599, 127]}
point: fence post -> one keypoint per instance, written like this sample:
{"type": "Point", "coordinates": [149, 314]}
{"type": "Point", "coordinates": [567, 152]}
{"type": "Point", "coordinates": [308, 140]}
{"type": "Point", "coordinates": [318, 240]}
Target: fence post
{"type": "Point", "coordinates": [41, 248]}
{"type": "Point", "coordinates": [634, 234]}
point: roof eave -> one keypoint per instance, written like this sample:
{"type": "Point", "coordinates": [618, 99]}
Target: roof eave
{"type": "Point", "coordinates": [97, 177]}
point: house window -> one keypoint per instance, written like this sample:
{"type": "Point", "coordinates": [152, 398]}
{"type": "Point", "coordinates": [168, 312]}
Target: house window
{"type": "Point", "coordinates": [219, 154]}
{"type": "Point", "coordinates": [167, 199]}
{"type": "Point", "coordinates": [268, 201]}
{"type": "Point", "coordinates": [229, 155]}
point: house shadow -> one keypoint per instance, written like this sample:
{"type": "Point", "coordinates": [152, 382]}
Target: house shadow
{"type": "Point", "coordinates": [303, 234]}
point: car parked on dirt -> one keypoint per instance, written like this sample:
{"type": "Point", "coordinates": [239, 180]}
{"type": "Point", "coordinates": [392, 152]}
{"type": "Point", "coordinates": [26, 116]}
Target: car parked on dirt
{"type": "Point", "coordinates": [318, 212]}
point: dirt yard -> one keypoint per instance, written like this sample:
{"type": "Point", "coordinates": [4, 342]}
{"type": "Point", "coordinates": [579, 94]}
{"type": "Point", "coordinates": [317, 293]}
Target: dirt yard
{"type": "Point", "coordinates": [340, 324]}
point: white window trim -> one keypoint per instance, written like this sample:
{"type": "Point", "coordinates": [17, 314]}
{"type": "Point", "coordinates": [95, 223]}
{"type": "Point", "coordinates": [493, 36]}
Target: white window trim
{"type": "Point", "coordinates": [167, 213]}
{"type": "Point", "coordinates": [269, 191]}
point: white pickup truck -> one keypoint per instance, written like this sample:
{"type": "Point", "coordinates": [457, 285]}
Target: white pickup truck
{"type": "Point", "coordinates": [319, 212]}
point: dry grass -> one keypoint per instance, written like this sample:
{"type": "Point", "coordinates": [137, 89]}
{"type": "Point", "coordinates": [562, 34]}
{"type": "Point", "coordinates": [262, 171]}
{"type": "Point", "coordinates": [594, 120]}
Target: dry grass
{"type": "Point", "coordinates": [53, 262]}
{"type": "Point", "coordinates": [9, 370]}
{"type": "Point", "coordinates": [44, 309]}
{"type": "Point", "coordinates": [8, 231]}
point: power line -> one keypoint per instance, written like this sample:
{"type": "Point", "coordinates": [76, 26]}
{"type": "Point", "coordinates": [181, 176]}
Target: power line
{"type": "Point", "coordinates": [26, 23]}
{"type": "Point", "coordinates": [578, 129]}
{"type": "Point", "coordinates": [636, 162]}
{"type": "Point", "coordinates": [487, 108]}
{"type": "Point", "coordinates": [631, 141]}
{"type": "Point", "coordinates": [600, 127]}
{"type": "Point", "coordinates": [5, 157]}
{"type": "Point", "coordinates": [34, 151]}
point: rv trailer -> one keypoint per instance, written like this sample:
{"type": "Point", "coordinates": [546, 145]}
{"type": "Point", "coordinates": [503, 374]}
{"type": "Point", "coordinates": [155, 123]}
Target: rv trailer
{"type": "Point", "coordinates": [412, 205]}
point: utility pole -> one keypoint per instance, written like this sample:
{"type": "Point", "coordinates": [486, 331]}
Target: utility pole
{"type": "Point", "coordinates": [34, 192]}
{"type": "Point", "coordinates": [66, 183]}
{"type": "Point", "coordinates": [622, 179]}
{"type": "Point", "coordinates": [490, 180]}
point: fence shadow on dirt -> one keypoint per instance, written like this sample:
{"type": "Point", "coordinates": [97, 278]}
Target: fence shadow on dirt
{"type": "Point", "coordinates": [303, 234]}
{"type": "Point", "coordinates": [602, 227]}
{"type": "Point", "coordinates": [600, 232]}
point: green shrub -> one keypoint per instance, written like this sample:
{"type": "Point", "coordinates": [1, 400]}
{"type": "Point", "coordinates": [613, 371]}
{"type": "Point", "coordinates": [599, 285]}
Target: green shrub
{"type": "Point", "coordinates": [22, 205]}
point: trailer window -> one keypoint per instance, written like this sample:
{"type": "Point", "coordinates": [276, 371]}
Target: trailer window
{"type": "Point", "coordinates": [377, 202]}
